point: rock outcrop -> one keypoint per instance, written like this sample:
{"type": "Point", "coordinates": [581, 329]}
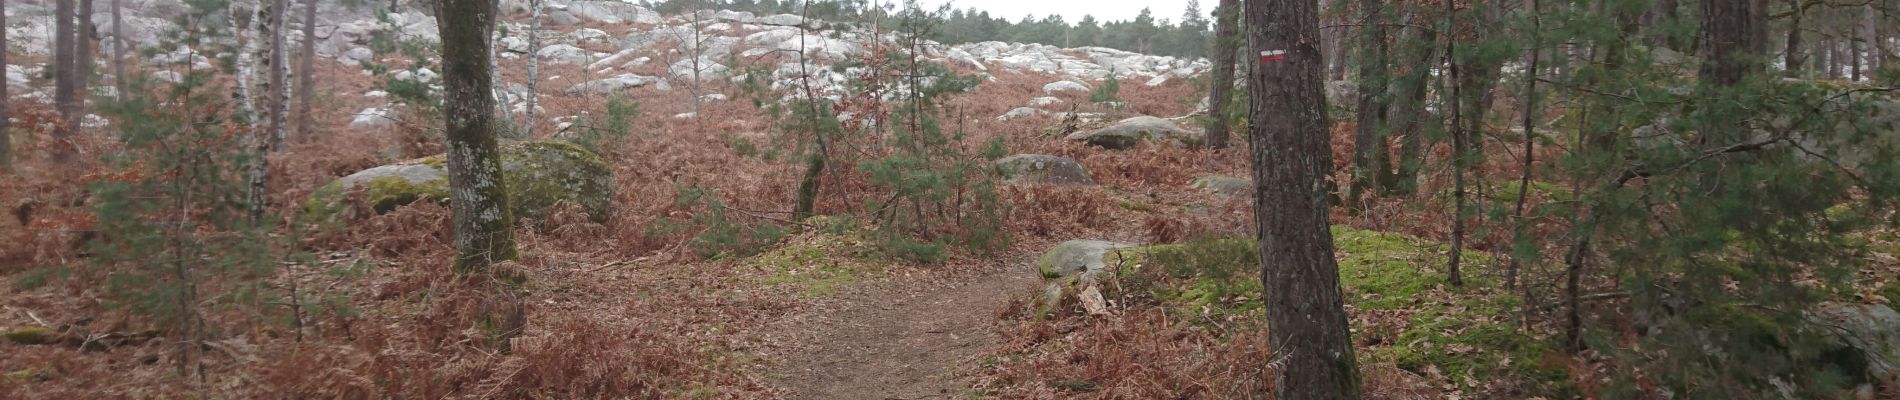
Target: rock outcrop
{"type": "Point", "coordinates": [537, 175]}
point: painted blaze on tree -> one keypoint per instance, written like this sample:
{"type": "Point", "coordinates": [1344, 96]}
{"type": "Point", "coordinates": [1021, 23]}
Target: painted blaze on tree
{"type": "Point", "coordinates": [483, 222]}
{"type": "Point", "coordinates": [1291, 157]}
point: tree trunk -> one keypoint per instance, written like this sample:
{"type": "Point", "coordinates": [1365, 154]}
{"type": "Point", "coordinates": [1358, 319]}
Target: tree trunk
{"type": "Point", "coordinates": [1735, 32]}
{"type": "Point", "coordinates": [1459, 154]}
{"type": "Point", "coordinates": [1793, 58]}
{"type": "Point", "coordinates": [505, 127]}
{"type": "Point", "coordinates": [1853, 56]}
{"type": "Point", "coordinates": [6, 136]}
{"type": "Point", "coordinates": [1826, 59]}
{"type": "Point", "coordinates": [65, 73]}
{"type": "Point", "coordinates": [1291, 158]}
{"type": "Point", "coordinates": [307, 73]}
{"type": "Point", "coordinates": [118, 49]}
{"type": "Point", "coordinates": [82, 60]}
{"type": "Point", "coordinates": [484, 224]}
{"type": "Point", "coordinates": [1873, 37]}
{"type": "Point", "coordinates": [1369, 147]}
{"type": "Point", "coordinates": [1407, 113]}
{"type": "Point", "coordinates": [279, 91]}
{"type": "Point", "coordinates": [1529, 114]}
{"type": "Point", "coordinates": [1222, 86]}
{"type": "Point", "coordinates": [809, 184]}
{"type": "Point", "coordinates": [534, 68]}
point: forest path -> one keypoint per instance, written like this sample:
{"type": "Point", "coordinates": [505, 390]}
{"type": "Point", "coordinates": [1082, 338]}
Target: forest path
{"type": "Point", "coordinates": [897, 339]}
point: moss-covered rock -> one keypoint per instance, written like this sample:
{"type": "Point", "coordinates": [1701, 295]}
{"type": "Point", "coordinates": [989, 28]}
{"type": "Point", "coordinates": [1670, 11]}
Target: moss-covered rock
{"type": "Point", "coordinates": [538, 175]}
{"type": "Point", "coordinates": [1044, 169]}
{"type": "Point", "coordinates": [30, 335]}
{"type": "Point", "coordinates": [1075, 257]}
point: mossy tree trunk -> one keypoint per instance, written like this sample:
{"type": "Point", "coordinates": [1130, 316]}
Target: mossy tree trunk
{"type": "Point", "coordinates": [1291, 158]}
{"type": "Point", "coordinates": [1221, 88]}
{"type": "Point", "coordinates": [483, 222]}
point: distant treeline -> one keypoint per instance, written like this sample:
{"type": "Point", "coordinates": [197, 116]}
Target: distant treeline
{"type": "Point", "coordinates": [1189, 37]}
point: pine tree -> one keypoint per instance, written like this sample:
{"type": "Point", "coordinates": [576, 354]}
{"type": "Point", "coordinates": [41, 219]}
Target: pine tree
{"type": "Point", "coordinates": [1291, 158]}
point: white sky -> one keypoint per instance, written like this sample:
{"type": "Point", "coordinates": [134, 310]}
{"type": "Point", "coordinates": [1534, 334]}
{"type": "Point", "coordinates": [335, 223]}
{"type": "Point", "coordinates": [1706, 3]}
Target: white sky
{"type": "Point", "coordinates": [1073, 10]}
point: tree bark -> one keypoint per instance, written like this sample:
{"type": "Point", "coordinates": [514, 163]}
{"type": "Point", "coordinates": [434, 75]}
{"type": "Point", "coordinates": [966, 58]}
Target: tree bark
{"type": "Point", "coordinates": [1736, 33]}
{"type": "Point", "coordinates": [307, 73]}
{"type": "Point", "coordinates": [505, 127]}
{"type": "Point", "coordinates": [484, 224]}
{"type": "Point", "coordinates": [1792, 58]}
{"type": "Point", "coordinates": [279, 90]}
{"type": "Point", "coordinates": [6, 136]}
{"type": "Point", "coordinates": [1222, 86]}
{"type": "Point", "coordinates": [1291, 158]}
{"type": "Point", "coordinates": [534, 68]}
{"type": "Point", "coordinates": [1407, 113]}
{"type": "Point", "coordinates": [1529, 114]}
{"type": "Point", "coordinates": [118, 49]}
{"type": "Point", "coordinates": [65, 73]}
{"type": "Point", "coordinates": [83, 55]}
{"type": "Point", "coordinates": [1369, 148]}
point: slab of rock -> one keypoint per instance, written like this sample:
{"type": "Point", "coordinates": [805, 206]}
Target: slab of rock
{"type": "Point", "coordinates": [1223, 185]}
{"type": "Point", "coordinates": [1044, 169]}
{"type": "Point", "coordinates": [373, 118]}
{"type": "Point", "coordinates": [1044, 101]}
{"type": "Point", "coordinates": [609, 86]}
{"type": "Point", "coordinates": [1076, 257]}
{"type": "Point", "coordinates": [1871, 329]}
{"type": "Point", "coordinates": [537, 175]}
{"type": "Point", "coordinates": [1125, 134]}
{"type": "Point", "coordinates": [1017, 112]}
{"type": "Point", "coordinates": [1064, 86]}
{"type": "Point", "coordinates": [564, 54]}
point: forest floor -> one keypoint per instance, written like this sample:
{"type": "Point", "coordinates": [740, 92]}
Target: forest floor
{"type": "Point", "coordinates": [906, 338]}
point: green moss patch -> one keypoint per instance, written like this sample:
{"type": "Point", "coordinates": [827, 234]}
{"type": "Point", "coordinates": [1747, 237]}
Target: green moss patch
{"type": "Point", "coordinates": [30, 335]}
{"type": "Point", "coordinates": [1404, 312]}
{"type": "Point", "coordinates": [819, 263]}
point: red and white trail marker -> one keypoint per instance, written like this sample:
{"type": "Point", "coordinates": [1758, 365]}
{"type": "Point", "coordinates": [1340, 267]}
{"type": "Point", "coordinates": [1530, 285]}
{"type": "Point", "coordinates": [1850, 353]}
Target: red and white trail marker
{"type": "Point", "coordinates": [1273, 56]}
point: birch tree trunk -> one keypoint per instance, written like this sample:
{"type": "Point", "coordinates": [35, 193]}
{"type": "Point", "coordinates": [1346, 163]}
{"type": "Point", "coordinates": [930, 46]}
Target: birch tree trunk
{"type": "Point", "coordinates": [279, 90]}
{"type": "Point", "coordinates": [483, 222]}
{"type": "Point", "coordinates": [307, 73]}
{"type": "Point", "coordinates": [1291, 158]}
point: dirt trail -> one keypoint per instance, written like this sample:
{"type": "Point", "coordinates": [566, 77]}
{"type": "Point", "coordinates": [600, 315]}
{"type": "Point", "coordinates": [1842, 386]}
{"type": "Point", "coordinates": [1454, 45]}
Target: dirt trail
{"type": "Point", "coordinates": [896, 340]}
